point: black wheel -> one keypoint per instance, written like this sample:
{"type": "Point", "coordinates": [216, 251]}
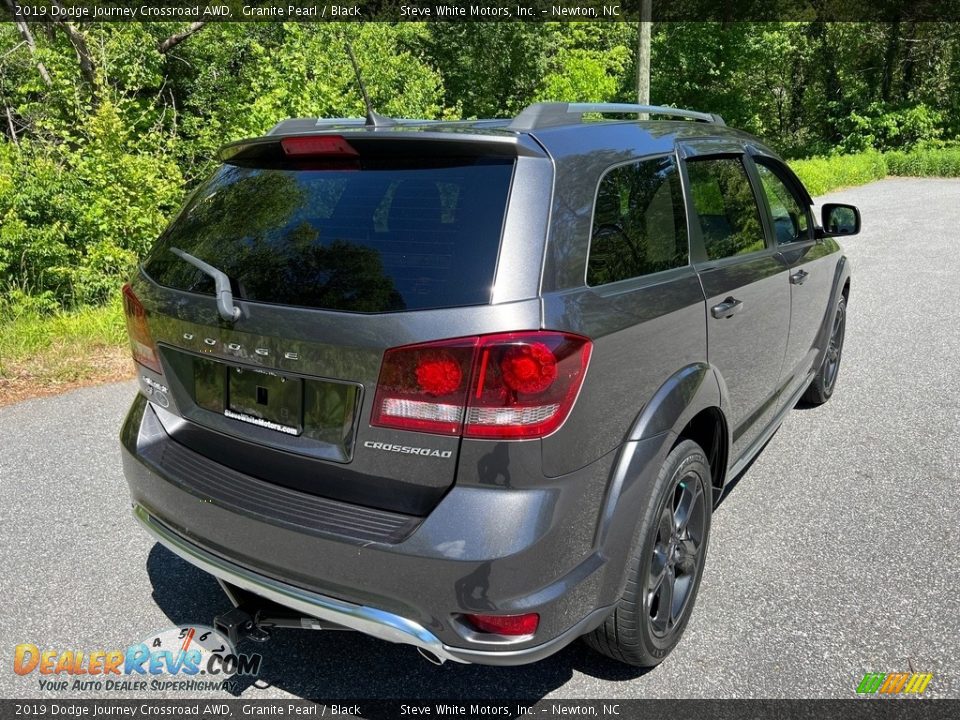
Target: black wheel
{"type": "Point", "coordinates": [825, 380]}
{"type": "Point", "coordinates": [664, 572]}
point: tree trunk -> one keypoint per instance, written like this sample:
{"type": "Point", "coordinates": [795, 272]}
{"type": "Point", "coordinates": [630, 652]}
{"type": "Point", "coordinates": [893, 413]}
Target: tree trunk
{"type": "Point", "coordinates": [179, 37]}
{"type": "Point", "coordinates": [643, 53]}
{"type": "Point", "coordinates": [832, 87]}
{"type": "Point", "coordinates": [27, 36]}
{"type": "Point", "coordinates": [910, 64]}
{"type": "Point", "coordinates": [890, 61]}
{"type": "Point", "coordinates": [87, 67]}
{"type": "Point", "coordinates": [12, 128]}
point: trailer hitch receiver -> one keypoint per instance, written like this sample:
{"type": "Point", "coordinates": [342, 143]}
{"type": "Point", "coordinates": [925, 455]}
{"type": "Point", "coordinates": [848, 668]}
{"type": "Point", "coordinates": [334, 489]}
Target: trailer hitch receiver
{"type": "Point", "coordinates": [237, 624]}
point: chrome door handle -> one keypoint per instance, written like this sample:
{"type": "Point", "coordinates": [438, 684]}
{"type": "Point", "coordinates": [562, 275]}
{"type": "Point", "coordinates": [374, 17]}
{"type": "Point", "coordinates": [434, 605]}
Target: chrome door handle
{"type": "Point", "coordinates": [798, 277]}
{"type": "Point", "coordinates": [728, 308]}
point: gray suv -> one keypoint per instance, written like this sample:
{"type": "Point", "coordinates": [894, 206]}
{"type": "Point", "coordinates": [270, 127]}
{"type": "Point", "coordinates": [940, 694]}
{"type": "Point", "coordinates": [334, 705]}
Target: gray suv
{"type": "Point", "coordinates": [475, 386]}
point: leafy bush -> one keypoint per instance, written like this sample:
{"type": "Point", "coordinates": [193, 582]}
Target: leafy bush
{"type": "Point", "coordinates": [880, 128]}
{"type": "Point", "coordinates": [821, 175]}
{"type": "Point", "coordinates": [944, 162]}
{"type": "Point", "coordinates": [77, 214]}
{"type": "Point", "coordinates": [585, 75]}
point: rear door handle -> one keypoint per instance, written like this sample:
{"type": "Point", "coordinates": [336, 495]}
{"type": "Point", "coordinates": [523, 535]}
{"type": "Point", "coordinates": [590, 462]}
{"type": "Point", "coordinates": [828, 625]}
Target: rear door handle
{"type": "Point", "coordinates": [798, 277]}
{"type": "Point", "coordinates": [728, 308]}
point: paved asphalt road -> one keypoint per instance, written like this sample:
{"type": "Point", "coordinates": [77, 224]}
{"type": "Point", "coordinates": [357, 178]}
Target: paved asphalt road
{"type": "Point", "coordinates": [834, 555]}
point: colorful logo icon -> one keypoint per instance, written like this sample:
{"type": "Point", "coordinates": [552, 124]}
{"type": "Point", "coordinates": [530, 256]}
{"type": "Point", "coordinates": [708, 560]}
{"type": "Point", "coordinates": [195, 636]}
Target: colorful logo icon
{"type": "Point", "coordinates": [894, 683]}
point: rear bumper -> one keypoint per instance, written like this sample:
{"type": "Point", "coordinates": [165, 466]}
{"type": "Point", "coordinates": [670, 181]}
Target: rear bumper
{"type": "Point", "coordinates": [371, 621]}
{"type": "Point", "coordinates": [487, 550]}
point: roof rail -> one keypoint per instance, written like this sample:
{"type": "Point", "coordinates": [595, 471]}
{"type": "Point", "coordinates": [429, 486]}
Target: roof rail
{"type": "Point", "coordinates": [552, 114]}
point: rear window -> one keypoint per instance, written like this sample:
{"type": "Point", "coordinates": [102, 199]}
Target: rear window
{"type": "Point", "coordinates": [392, 237]}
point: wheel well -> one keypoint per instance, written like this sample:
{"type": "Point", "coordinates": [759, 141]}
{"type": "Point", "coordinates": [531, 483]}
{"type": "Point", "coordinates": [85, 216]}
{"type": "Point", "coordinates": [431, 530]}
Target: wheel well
{"type": "Point", "coordinates": [709, 430]}
{"type": "Point", "coordinates": [846, 290]}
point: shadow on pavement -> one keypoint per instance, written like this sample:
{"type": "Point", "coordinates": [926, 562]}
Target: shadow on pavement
{"type": "Point", "coordinates": [732, 482]}
{"type": "Point", "coordinates": [349, 665]}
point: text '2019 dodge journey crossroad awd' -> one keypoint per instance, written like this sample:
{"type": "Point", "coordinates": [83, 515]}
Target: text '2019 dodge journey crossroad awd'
{"type": "Point", "coordinates": [475, 386]}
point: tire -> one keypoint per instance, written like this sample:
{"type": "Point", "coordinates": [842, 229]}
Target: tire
{"type": "Point", "coordinates": [641, 631]}
{"type": "Point", "coordinates": [824, 382]}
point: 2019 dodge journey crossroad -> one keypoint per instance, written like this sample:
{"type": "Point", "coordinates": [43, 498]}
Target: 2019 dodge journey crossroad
{"type": "Point", "coordinates": [475, 386]}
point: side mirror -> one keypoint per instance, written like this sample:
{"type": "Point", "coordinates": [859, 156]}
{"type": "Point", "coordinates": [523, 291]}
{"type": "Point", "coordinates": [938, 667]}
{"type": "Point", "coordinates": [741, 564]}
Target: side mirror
{"type": "Point", "coordinates": [839, 219]}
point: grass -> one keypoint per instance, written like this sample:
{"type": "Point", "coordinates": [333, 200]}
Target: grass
{"type": "Point", "coordinates": [924, 163]}
{"type": "Point", "coordinates": [823, 174]}
{"type": "Point", "coordinates": [47, 354]}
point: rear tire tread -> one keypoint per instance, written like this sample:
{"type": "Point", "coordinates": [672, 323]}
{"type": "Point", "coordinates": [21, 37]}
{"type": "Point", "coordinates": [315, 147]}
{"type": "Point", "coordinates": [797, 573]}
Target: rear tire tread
{"type": "Point", "coordinates": [620, 635]}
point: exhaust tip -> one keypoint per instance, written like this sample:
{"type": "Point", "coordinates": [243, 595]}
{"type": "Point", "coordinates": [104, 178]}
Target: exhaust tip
{"type": "Point", "coordinates": [431, 657]}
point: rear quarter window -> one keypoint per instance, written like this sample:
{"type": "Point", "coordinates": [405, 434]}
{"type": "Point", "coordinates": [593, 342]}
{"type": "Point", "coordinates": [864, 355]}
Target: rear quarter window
{"type": "Point", "coordinates": [639, 225]}
{"type": "Point", "coordinates": [398, 235]}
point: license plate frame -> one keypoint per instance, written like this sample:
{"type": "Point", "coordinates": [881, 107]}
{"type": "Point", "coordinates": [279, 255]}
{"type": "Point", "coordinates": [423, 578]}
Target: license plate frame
{"type": "Point", "coordinates": [265, 398]}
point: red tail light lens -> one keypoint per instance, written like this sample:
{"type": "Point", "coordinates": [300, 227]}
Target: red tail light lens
{"type": "Point", "coordinates": [424, 387]}
{"type": "Point", "coordinates": [505, 624]}
{"type": "Point", "coordinates": [141, 341]}
{"type": "Point", "coordinates": [511, 385]}
{"type": "Point", "coordinates": [525, 383]}
{"type": "Point", "coordinates": [313, 145]}
{"type": "Point", "coordinates": [529, 368]}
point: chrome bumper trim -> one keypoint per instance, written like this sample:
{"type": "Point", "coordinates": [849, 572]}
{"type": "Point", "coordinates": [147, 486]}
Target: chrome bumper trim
{"type": "Point", "coordinates": [370, 621]}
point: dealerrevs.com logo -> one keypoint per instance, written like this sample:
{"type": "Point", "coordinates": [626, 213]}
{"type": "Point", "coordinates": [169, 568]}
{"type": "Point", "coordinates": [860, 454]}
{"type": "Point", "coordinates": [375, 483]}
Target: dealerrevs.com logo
{"type": "Point", "coordinates": [896, 683]}
{"type": "Point", "coordinates": [189, 658]}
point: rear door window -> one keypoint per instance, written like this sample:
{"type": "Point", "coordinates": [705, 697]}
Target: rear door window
{"type": "Point", "coordinates": [725, 206]}
{"type": "Point", "coordinates": [639, 224]}
{"type": "Point", "coordinates": [394, 236]}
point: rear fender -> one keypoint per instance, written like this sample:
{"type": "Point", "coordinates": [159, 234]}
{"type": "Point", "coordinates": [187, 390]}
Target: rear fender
{"type": "Point", "coordinates": [680, 398]}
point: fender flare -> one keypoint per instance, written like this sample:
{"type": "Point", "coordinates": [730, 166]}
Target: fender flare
{"type": "Point", "coordinates": [840, 278]}
{"type": "Point", "coordinates": [693, 388]}
{"type": "Point", "coordinates": [687, 392]}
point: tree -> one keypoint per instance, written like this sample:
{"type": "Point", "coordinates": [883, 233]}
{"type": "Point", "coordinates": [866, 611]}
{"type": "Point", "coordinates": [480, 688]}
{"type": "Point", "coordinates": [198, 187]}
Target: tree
{"type": "Point", "coordinates": [643, 52]}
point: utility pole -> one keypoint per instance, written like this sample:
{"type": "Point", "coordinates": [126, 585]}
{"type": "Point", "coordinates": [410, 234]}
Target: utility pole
{"type": "Point", "coordinates": [643, 52]}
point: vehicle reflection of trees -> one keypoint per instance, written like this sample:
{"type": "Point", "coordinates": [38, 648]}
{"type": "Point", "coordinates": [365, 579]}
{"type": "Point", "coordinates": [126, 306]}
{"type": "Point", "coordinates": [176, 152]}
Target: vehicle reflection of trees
{"type": "Point", "coordinates": [234, 203]}
{"type": "Point", "coordinates": [724, 201]}
{"type": "Point", "coordinates": [472, 589]}
{"type": "Point", "coordinates": [640, 210]}
{"type": "Point", "coordinates": [494, 467]}
{"type": "Point", "coordinates": [276, 248]}
{"type": "Point", "coordinates": [339, 275]}
{"type": "Point", "coordinates": [572, 210]}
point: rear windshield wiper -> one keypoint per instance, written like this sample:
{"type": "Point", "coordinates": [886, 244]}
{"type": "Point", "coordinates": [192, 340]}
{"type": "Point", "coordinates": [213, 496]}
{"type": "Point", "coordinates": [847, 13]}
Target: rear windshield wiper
{"type": "Point", "coordinates": [228, 311]}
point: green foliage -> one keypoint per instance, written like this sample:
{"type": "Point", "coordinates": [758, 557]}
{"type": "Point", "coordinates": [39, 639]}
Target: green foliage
{"type": "Point", "coordinates": [93, 165]}
{"type": "Point", "coordinates": [585, 75]}
{"type": "Point", "coordinates": [880, 128]}
{"type": "Point", "coordinates": [77, 216]}
{"type": "Point", "coordinates": [944, 162]}
{"type": "Point", "coordinates": [821, 175]}
{"type": "Point", "coordinates": [489, 69]}
{"type": "Point", "coordinates": [239, 79]}
{"type": "Point", "coordinates": [39, 348]}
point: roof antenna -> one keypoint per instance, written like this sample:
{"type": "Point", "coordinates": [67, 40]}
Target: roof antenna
{"type": "Point", "coordinates": [373, 119]}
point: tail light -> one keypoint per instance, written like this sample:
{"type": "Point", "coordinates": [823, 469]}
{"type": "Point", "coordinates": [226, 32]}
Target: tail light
{"type": "Point", "coordinates": [505, 624]}
{"type": "Point", "coordinates": [141, 341]}
{"type": "Point", "coordinates": [511, 385]}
